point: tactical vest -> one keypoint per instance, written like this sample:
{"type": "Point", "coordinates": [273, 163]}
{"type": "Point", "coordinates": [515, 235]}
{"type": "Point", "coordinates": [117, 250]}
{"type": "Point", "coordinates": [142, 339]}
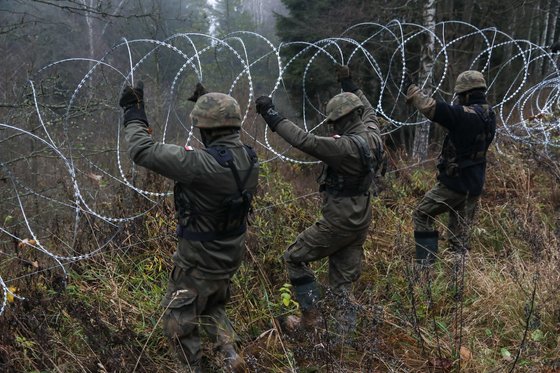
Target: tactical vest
{"type": "Point", "coordinates": [231, 218]}
{"type": "Point", "coordinates": [453, 161]}
{"type": "Point", "coordinates": [341, 185]}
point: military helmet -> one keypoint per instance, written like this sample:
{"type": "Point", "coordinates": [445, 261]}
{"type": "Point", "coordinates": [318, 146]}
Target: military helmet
{"type": "Point", "coordinates": [470, 79]}
{"type": "Point", "coordinates": [342, 104]}
{"type": "Point", "coordinates": [216, 110]}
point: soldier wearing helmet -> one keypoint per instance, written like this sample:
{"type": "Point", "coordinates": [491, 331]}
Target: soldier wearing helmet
{"type": "Point", "coordinates": [213, 191]}
{"type": "Point", "coordinates": [471, 126]}
{"type": "Point", "coordinates": [350, 158]}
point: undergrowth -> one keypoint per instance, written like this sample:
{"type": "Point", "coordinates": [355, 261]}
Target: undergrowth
{"type": "Point", "coordinates": [497, 311]}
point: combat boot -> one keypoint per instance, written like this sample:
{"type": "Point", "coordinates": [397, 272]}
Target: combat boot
{"type": "Point", "coordinates": [311, 319]}
{"type": "Point", "coordinates": [232, 361]}
{"type": "Point", "coordinates": [426, 247]}
{"type": "Point", "coordinates": [307, 295]}
{"type": "Point", "coordinates": [345, 319]}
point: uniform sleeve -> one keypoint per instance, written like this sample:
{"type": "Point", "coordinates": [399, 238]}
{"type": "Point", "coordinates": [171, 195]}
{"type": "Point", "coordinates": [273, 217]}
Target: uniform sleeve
{"type": "Point", "coordinates": [424, 104]}
{"type": "Point", "coordinates": [451, 117]}
{"type": "Point", "coordinates": [326, 149]}
{"type": "Point", "coordinates": [169, 160]}
{"type": "Point", "coordinates": [448, 116]}
{"type": "Point", "coordinates": [369, 117]}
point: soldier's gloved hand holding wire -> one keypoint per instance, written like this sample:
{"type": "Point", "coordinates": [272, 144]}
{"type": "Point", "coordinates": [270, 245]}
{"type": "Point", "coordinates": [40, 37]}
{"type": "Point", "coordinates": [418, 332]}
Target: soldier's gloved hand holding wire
{"type": "Point", "coordinates": [198, 91]}
{"type": "Point", "coordinates": [407, 80]}
{"type": "Point", "coordinates": [132, 102]}
{"type": "Point", "coordinates": [265, 107]}
{"type": "Point", "coordinates": [344, 77]}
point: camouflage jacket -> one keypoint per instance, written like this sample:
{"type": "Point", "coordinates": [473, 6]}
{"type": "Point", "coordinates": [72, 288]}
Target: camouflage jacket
{"type": "Point", "coordinates": [342, 154]}
{"type": "Point", "coordinates": [205, 184]}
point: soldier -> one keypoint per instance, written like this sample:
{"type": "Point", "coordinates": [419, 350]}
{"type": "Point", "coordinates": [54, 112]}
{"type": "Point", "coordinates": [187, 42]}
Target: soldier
{"type": "Point", "coordinates": [213, 191]}
{"type": "Point", "coordinates": [471, 126]}
{"type": "Point", "coordinates": [350, 158]}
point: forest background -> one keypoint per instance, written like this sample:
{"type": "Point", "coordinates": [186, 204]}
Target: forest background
{"type": "Point", "coordinates": [498, 311]}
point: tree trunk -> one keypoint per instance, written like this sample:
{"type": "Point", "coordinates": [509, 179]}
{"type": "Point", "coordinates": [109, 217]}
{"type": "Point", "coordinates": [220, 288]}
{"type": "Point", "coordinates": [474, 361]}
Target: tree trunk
{"type": "Point", "coordinates": [552, 22]}
{"type": "Point", "coordinates": [89, 22]}
{"type": "Point", "coordinates": [556, 30]}
{"type": "Point", "coordinates": [420, 147]}
{"type": "Point", "coordinates": [117, 10]}
{"type": "Point", "coordinates": [536, 34]}
{"type": "Point", "coordinates": [546, 30]}
{"type": "Point", "coordinates": [468, 11]}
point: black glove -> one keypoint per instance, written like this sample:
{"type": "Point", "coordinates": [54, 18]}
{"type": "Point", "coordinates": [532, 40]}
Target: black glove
{"type": "Point", "coordinates": [265, 107]}
{"type": "Point", "coordinates": [198, 91]}
{"type": "Point", "coordinates": [407, 80]}
{"type": "Point", "coordinates": [132, 102]}
{"type": "Point", "coordinates": [344, 77]}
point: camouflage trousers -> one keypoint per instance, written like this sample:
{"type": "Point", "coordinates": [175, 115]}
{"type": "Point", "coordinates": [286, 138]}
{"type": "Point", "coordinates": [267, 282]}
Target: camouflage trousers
{"type": "Point", "coordinates": [192, 303]}
{"type": "Point", "coordinates": [342, 247]}
{"type": "Point", "coordinates": [461, 209]}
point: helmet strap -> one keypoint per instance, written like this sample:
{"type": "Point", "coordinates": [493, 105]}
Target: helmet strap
{"type": "Point", "coordinates": [204, 136]}
{"type": "Point", "coordinates": [463, 98]}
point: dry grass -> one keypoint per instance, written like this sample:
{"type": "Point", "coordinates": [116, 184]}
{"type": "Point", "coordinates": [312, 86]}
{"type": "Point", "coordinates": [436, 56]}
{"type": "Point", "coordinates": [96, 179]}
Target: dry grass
{"type": "Point", "coordinates": [107, 318]}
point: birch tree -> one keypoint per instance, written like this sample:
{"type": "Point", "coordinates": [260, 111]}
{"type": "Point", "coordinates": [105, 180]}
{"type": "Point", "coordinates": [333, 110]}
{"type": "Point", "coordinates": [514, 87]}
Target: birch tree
{"type": "Point", "coordinates": [420, 146]}
{"type": "Point", "coordinates": [89, 22]}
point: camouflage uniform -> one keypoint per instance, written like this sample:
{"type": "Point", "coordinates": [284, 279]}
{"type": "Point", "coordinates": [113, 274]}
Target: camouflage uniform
{"type": "Point", "coordinates": [199, 282]}
{"type": "Point", "coordinates": [341, 231]}
{"type": "Point", "coordinates": [462, 166]}
{"type": "Point", "coordinates": [346, 212]}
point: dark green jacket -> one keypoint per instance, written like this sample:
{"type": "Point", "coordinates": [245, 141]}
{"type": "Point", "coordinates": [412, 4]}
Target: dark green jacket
{"type": "Point", "coordinates": [206, 185]}
{"type": "Point", "coordinates": [343, 155]}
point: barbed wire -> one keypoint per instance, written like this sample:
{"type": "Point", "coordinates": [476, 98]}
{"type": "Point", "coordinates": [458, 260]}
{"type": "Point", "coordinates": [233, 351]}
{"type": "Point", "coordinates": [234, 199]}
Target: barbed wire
{"type": "Point", "coordinates": [80, 156]}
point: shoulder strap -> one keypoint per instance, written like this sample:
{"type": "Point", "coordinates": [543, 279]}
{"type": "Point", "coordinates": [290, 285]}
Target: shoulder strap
{"type": "Point", "coordinates": [365, 154]}
{"type": "Point", "coordinates": [476, 154]}
{"type": "Point", "coordinates": [254, 159]}
{"type": "Point", "coordinates": [223, 156]}
{"type": "Point", "coordinates": [484, 114]}
{"type": "Point", "coordinates": [251, 152]}
{"type": "Point", "coordinates": [487, 115]}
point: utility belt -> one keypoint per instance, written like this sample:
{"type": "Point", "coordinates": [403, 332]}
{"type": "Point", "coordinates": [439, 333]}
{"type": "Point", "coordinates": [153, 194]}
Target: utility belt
{"type": "Point", "coordinates": [347, 186]}
{"type": "Point", "coordinates": [453, 168]}
{"type": "Point", "coordinates": [183, 232]}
